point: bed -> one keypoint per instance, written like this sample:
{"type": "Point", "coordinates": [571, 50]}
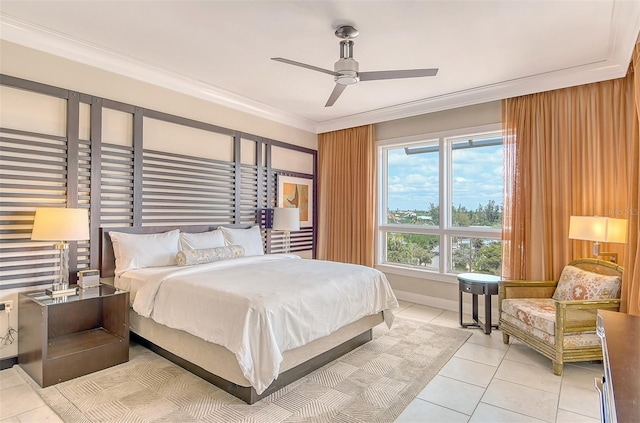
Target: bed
{"type": "Point", "coordinates": [280, 332]}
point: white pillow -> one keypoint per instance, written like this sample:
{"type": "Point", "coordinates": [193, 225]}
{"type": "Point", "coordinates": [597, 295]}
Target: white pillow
{"type": "Point", "coordinates": [250, 239]}
{"type": "Point", "coordinates": [135, 251]}
{"type": "Point", "coordinates": [201, 241]}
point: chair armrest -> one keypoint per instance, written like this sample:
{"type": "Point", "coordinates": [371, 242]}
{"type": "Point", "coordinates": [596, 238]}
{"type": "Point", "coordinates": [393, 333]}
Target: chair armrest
{"type": "Point", "coordinates": [581, 315]}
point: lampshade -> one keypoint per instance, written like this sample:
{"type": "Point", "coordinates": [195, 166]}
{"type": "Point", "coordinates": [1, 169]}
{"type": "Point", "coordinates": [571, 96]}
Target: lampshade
{"type": "Point", "coordinates": [598, 228]}
{"type": "Point", "coordinates": [60, 224]}
{"type": "Point", "coordinates": [286, 219]}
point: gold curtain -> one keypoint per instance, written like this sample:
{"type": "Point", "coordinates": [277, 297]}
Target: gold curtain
{"type": "Point", "coordinates": [567, 152]}
{"type": "Point", "coordinates": [347, 195]}
{"type": "Point", "coordinates": [631, 278]}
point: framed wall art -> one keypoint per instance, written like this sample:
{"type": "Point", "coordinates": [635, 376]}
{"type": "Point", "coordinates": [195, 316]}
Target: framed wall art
{"type": "Point", "coordinates": [297, 193]}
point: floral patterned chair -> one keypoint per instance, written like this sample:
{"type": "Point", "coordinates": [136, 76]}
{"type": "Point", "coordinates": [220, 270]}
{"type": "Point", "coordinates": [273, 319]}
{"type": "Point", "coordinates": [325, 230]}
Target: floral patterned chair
{"type": "Point", "coordinates": [558, 319]}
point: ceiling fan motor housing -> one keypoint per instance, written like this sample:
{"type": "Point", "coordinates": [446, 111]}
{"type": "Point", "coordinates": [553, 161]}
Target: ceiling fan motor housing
{"type": "Point", "coordinates": [346, 66]}
{"type": "Point", "coordinates": [347, 70]}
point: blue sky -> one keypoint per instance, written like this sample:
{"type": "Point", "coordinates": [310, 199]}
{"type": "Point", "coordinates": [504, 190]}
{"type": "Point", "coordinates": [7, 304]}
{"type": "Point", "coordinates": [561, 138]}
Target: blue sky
{"type": "Point", "coordinates": [413, 179]}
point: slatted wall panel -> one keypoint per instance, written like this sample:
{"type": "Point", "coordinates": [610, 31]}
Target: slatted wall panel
{"type": "Point", "coordinates": [33, 169]}
{"type": "Point", "coordinates": [84, 198]}
{"type": "Point", "coordinates": [182, 189]}
{"type": "Point", "coordinates": [121, 183]}
{"type": "Point", "coordinates": [116, 186]}
{"type": "Point", "coordinates": [249, 201]}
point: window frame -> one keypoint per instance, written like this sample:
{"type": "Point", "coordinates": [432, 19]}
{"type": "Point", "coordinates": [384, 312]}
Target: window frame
{"type": "Point", "coordinates": [445, 231]}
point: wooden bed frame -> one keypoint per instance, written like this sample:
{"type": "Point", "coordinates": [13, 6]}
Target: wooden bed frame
{"type": "Point", "coordinates": [332, 346]}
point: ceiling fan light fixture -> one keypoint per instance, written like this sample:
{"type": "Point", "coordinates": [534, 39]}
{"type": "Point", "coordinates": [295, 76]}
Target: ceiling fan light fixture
{"type": "Point", "coordinates": [347, 78]}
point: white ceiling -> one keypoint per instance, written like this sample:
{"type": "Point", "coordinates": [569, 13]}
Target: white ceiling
{"type": "Point", "coordinates": [221, 50]}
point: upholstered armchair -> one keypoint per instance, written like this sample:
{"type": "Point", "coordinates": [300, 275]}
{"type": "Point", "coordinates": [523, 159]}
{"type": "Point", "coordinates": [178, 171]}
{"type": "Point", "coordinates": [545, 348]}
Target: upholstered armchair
{"type": "Point", "coordinates": [558, 319]}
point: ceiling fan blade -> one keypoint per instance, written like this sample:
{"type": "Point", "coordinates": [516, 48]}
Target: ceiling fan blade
{"type": "Point", "coordinates": [304, 65]}
{"type": "Point", "coordinates": [337, 90]}
{"type": "Point", "coordinates": [396, 74]}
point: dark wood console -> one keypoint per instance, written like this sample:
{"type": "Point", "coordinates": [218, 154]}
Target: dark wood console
{"type": "Point", "coordinates": [620, 386]}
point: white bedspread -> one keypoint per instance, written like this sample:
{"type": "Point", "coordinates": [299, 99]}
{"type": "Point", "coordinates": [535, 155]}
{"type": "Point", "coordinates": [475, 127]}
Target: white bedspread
{"type": "Point", "coordinates": [258, 307]}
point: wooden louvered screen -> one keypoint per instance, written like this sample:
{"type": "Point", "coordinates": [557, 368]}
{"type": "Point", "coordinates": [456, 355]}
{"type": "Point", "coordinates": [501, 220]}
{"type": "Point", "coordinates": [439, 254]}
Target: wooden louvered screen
{"type": "Point", "coordinates": [72, 155]}
{"type": "Point", "coordinates": [33, 171]}
{"type": "Point", "coordinates": [181, 189]}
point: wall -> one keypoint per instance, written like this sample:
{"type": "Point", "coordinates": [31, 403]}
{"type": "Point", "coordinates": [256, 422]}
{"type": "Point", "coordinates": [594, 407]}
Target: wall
{"type": "Point", "coordinates": [37, 66]}
{"type": "Point", "coordinates": [25, 63]}
{"type": "Point", "coordinates": [437, 291]}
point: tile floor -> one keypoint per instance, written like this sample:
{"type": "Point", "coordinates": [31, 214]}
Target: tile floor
{"type": "Point", "coordinates": [486, 381]}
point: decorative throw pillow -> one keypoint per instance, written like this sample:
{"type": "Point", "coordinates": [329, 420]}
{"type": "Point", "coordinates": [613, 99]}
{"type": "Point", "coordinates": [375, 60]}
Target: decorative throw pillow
{"type": "Point", "coordinates": [135, 251]}
{"type": "Point", "coordinates": [200, 241]}
{"type": "Point", "coordinates": [578, 284]}
{"type": "Point", "coordinates": [250, 239]}
{"type": "Point", "coordinates": [208, 255]}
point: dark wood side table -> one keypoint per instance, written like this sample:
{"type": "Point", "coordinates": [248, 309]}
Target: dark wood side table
{"type": "Point", "coordinates": [479, 284]}
{"type": "Point", "coordinates": [61, 338]}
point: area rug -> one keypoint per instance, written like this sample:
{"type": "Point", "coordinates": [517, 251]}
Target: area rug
{"type": "Point", "coordinates": [373, 383]}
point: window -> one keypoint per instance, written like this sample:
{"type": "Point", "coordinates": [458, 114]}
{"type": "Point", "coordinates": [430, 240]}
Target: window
{"type": "Point", "coordinates": [463, 172]}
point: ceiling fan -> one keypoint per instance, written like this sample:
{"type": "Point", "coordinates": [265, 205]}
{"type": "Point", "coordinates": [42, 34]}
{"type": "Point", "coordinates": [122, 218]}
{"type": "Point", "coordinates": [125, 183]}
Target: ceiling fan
{"type": "Point", "coordinates": [346, 69]}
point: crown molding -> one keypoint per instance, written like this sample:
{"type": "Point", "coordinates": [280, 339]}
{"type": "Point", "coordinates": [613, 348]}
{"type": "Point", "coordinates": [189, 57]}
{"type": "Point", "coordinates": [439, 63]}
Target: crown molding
{"type": "Point", "coordinates": [625, 24]}
{"type": "Point", "coordinates": [39, 38]}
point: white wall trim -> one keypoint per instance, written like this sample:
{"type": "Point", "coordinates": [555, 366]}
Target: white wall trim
{"type": "Point", "coordinates": [450, 305]}
{"type": "Point", "coordinates": [427, 300]}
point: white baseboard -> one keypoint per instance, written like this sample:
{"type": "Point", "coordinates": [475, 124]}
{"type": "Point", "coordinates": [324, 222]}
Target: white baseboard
{"type": "Point", "coordinates": [426, 300]}
{"type": "Point", "coordinates": [445, 304]}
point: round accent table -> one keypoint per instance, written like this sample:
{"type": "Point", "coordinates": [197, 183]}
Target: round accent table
{"type": "Point", "coordinates": [479, 284]}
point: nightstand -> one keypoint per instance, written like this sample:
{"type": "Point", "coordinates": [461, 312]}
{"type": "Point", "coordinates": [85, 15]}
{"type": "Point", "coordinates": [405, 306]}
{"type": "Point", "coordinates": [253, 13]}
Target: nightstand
{"type": "Point", "coordinates": [61, 338]}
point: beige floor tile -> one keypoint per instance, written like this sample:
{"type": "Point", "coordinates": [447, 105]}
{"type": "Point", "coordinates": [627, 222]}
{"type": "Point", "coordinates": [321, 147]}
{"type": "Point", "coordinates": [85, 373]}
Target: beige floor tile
{"type": "Point", "coordinates": [420, 312]}
{"type": "Point", "coordinates": [581, 377]}
{"type": "Point", "coordinates": [580, 401]}
{"type": "Point", "coordinates": [450, 393]}
{"type": "Point", "coordinates": [521, 399]}
{"type": "Point", "coordinates": [17, 400]}
{"type": "Point", "coordinates": [449, 319]}
{"type": "Point", "coordinates": [468, 371]}
{"type": "Point", "coordinates": [589, 365]}
{"type": "Point", "coordinates": [486, 413]}
{"type": "Point", "coordinates": [524, 354]}
{"type": "Point", "coordinates": [419, 411]}
{"type": "Point", "coordinates": [10, 420]}
{"type": "Point", "coordinates": [39, 415]}
{"type": "Point", "coordinates": [404, 304]}
{"type": "Point", "coordinates": [10, 378]}
{"type": "Point", "coordinates": [481, 354]}
{"type": "Point", "coordinates": [493, 340]}
{"type": "Point", "coordinates": [565, 416]}
{"type": "Point", "coordinates": [527, 375]}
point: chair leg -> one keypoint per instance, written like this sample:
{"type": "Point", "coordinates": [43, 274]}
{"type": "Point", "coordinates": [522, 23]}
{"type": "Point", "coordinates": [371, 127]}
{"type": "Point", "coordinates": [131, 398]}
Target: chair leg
{"type": "Point", "coordinates": [557, 368]}
{"type": "Point", "coordinates": [505, 338]}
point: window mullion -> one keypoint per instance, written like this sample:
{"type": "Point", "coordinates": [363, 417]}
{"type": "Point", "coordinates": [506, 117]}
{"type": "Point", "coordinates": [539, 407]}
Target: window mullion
{"type": "Point", "coordinates": [445, 209]}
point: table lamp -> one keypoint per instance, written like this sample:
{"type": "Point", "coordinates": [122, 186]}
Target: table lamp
{"type": "Point", "coordinates": [61, 225]}
{"type": "Point", "coordinates": [286, 219]}
{"type": "Point", "coordinates": [599, 229]}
